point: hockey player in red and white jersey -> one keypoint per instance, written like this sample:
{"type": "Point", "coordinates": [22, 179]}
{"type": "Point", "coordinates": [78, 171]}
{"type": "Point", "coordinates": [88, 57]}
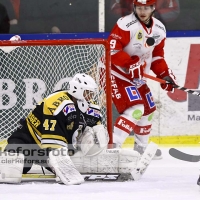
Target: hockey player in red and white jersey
{"type": "Point", "coordinates": [137, 46]}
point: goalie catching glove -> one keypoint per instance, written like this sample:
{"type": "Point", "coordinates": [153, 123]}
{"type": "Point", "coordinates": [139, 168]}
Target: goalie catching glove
{"type": "Point", "coordinates": [92, 141]}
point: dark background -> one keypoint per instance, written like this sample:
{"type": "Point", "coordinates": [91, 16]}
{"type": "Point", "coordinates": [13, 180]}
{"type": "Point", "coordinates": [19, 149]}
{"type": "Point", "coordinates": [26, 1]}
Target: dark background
{"type": "Point", "coordinates": [76, 16]}
{"type": "Point", "coordinates": [188, 18]}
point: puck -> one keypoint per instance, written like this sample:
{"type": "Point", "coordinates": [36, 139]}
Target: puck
{"type": "Point", "coordinates": [150, 41]}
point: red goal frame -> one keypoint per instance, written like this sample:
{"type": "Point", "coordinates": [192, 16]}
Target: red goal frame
{"type": "Point", "coordinates": [78, 42]}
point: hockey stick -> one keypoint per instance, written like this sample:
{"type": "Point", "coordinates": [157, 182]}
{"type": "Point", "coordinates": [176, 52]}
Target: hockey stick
{"type": "Point", "coordinates": [183, 156]}
{"type": "Point", "coordinates": [117, 177]}
{"type": "Point", "coordinates": [158, 80]}
{"type": "Point", "coordinates": [174, 85]}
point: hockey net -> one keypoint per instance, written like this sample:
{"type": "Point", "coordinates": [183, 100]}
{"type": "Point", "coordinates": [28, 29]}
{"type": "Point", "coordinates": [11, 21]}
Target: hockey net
{"type": "Point", "coordinates": [31, 70]}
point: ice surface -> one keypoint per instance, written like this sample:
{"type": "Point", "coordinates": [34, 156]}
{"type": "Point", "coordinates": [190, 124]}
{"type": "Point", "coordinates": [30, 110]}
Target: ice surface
{"type": "Point", "coordinates": [166, 179]}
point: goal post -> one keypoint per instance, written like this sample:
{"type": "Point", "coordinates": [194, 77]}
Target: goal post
{"type": "Point", "coordinates": [32, 69]}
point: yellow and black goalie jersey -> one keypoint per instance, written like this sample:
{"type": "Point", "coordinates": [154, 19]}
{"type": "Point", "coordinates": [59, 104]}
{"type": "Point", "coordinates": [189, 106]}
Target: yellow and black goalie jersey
{"type": "Point", "coordinates": [53, 122]}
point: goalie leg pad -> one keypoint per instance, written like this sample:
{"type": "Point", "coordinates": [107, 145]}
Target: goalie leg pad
{"type": "Point", "coordinates": [102, 163]}
{"type": "Point", "coordinates": [128, 160]}
{"type": "Point", "coordinates": [11, 167]}
{"type": "Point", "coordinates": [108, 161]}
{"type": "Point", "coordinates": [64, 168]}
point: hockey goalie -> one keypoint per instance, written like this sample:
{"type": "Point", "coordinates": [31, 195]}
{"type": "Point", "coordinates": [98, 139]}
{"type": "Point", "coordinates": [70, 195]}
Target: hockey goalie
{"type": "Point", "coordinates": [64, 134]}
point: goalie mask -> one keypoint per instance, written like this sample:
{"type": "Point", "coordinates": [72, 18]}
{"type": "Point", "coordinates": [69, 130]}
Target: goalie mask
{"type": "Point", "coordinates": [83, 88]}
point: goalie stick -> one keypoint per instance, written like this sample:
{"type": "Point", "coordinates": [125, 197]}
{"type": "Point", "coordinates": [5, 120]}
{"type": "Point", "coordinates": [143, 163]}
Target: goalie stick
{"type": "Point", "coordinates": [117, 177]}
{"type": "Point", "coordinates": [175, 86]}
{"type": "Point", "coordinates": [183, 156]}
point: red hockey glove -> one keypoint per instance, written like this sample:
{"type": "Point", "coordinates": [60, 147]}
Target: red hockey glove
{"type": "Point", "coordinates": [171, 81]}
{"type": "Point", "coordinates": [137, 70]}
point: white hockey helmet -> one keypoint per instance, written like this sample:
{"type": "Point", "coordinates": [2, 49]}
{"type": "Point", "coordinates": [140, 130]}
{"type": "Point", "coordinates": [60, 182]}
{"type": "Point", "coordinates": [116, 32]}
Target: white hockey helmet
{"type": "Point", "coordinates": [144, 2]}
{"type": "Point", "coordinates": [82, 82]}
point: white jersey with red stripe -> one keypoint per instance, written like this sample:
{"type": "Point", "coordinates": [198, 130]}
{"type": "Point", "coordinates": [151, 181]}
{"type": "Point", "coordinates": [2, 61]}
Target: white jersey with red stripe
{"type": "Point", "coordinates": [128, 38]}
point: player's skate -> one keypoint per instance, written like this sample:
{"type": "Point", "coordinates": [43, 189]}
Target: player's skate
{"type": "Point", "coordinates": [141, 150]}
{"type": "Point", "coordinates": [198, 181]}
{"type": "Point", "coordinates": [158, 155]}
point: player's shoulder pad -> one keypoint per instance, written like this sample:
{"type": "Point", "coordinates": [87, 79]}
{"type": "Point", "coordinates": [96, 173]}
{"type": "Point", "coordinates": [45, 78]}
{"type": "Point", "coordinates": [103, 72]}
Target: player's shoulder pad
{"type": "Point", "coordinates": [94, 104]}
{"type": "Point", "coordinates": [94, 110]}
{"type": "Point", "coordinates": [127, 22]}
{"type": "Point", "coordinates": [159, 27]}
{"type": "Point", "coordinates": [56, 102]}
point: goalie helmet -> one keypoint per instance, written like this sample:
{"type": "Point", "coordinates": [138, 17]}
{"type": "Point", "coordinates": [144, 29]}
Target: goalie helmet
{"type": "Point", "coordinates": [80, 85]}
{"type": "Point", "coordinates": [144, 2]}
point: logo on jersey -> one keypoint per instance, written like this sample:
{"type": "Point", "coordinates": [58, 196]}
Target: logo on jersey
{"type": "Point", "coordinates": [137, 45]}
{"type": "Point", "coordinates": [114, 86]}
{"type": "Point", "coordinates": [131, 23]}
{"type": "Point", "coordinates": [70, 126]}
{"type": "Point", "coordinates": [93, 112]}
{"type": "Point", "coordinates": [125, 125]}
{"type": "Point", "coordinates": [156, 36]}
{"type": "Point", "coordinates": [116, 36]}
{"type": "Point", "coordinates": [132, 93]}
{"type": "Point", "coordinates": [150, 100]}
{"type": "Point", "coordinates": [68, 109]}
{"type": "Point", "coordinates": [162, 28]}
{"type": "Point", "coordinates": [139, 35]}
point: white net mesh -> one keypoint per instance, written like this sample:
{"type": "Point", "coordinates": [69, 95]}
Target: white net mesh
{"type": "Point", "coordinates": [29, 73]}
